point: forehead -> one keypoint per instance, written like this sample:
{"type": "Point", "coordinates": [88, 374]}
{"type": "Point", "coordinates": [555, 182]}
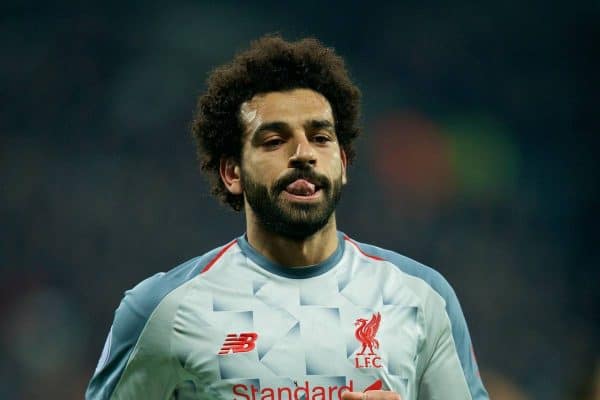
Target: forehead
{"type": "Point", "coordinates": [291, 106]}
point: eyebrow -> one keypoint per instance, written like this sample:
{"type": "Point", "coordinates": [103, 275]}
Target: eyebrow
{"type": "Point", "coordinates": [282, 127]}
{"type": "Point", "coordinates": [276, 126]}
{"type": "Point", "coordinates": [319, 124]}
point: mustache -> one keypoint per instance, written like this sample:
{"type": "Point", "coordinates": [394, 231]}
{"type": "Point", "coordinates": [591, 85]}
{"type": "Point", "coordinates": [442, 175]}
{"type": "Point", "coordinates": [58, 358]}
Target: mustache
{"type": "Point", "coordinates": [319, 180]}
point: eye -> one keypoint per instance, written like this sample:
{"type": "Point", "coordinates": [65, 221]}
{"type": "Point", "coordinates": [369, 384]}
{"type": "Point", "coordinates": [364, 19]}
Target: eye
{"type": "Point", "coordinates": [273, 142]}
{"type": "Point", "coordinates": [322, 139]}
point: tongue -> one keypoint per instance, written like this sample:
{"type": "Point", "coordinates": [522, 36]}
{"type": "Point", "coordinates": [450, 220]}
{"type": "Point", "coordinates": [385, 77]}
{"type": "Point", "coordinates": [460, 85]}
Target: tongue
{"type": "Point", "coordinates": [301, 187]}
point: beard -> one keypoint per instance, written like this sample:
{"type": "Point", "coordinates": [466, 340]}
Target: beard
{"type": "Point", "coordinates": [293, 220]}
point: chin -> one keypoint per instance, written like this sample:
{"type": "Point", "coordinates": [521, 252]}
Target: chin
{"type": "Point", "coordinates": [298, 223]}
{"type": "Point", "coordinates": [297, 232]}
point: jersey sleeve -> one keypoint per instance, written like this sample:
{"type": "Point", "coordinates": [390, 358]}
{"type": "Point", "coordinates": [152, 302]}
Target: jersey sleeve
{"type": "Point", "coordinates": [136, 362]}
{"type": "Point", "coordinates": [445, 374]}
{"type": "Point", "coordinates": [129, 322]}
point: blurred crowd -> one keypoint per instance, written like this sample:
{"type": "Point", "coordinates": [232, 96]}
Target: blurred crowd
{"type": "Point", "coordinates": [478, 158]}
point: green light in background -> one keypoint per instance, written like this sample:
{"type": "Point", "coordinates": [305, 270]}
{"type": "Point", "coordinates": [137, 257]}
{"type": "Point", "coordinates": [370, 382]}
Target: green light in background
{"type": "Point", "coordinates": [483, 155]}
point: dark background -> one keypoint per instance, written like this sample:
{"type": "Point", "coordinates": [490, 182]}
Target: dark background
{"type": "Point", "coordinates": [478, 158]}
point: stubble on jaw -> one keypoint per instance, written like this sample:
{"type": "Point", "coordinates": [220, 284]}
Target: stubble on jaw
{"type": "Point", "coordinates": [295, 221]}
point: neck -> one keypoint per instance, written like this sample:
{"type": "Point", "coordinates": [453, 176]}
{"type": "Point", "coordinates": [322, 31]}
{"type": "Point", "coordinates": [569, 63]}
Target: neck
{"type": "Point", "coordinates": [293, 252]}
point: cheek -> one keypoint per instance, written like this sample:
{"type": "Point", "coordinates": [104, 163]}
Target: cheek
{"type": "Point", "coordinates": [263, 166]}
{"type": "Point", "coordinates": [336, 161]}
{"type": "Point", "coordinates": [260, 168]}
{"type": "Point", "coordinates": [337, 167]}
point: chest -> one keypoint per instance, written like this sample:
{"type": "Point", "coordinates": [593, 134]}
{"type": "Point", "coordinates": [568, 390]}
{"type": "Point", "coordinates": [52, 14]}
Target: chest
{"type": "Point", "coordinates": [259, 341]}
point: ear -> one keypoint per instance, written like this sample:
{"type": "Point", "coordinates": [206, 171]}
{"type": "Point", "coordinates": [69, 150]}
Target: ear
{"type": "Point", "coordinates": [344, 165]}
{"type": "Point", "coordinates": [230, 173]}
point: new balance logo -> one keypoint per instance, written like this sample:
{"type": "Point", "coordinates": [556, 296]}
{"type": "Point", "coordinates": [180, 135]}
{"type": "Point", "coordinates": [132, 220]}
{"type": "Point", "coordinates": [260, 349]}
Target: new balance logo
{"type": "Point", "coordinates": [241, 343]}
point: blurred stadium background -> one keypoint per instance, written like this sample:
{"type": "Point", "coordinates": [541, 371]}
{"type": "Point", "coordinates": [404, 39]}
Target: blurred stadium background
{"type": "Point", "coordinates": [479, 157]}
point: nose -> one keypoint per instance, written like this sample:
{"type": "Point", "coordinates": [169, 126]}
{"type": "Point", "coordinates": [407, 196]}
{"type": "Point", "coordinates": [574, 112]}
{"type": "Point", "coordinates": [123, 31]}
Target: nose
{"type": "Point", "coordinates": [303, 157]}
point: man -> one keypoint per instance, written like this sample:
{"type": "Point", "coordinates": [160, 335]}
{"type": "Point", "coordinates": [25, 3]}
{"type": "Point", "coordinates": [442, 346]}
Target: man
{"type": "Point", "coordinates": [293, 309]}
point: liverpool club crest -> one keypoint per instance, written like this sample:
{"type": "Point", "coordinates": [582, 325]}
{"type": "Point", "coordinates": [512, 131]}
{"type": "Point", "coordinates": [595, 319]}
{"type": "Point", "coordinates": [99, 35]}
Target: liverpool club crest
{"type": "Point", "coordinates": [365, 333]}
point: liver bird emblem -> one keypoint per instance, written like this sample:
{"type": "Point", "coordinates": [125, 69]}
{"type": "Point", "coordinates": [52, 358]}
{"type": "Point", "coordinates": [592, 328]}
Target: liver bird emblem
{"type": "Point", "coordinates": [365, 333]}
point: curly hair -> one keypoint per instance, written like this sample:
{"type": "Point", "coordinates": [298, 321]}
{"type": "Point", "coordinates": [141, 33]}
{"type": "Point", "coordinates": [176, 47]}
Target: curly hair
{"type": "Point", "coordinates": [270, 64]}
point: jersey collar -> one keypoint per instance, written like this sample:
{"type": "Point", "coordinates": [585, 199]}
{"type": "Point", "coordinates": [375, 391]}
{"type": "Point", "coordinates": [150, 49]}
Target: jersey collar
{"type": "Point", "coordinates": [297, 272]}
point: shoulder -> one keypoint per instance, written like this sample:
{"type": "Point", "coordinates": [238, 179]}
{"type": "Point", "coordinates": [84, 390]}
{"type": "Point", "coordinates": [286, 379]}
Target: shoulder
{"type": "Point", "coordinates": [433, 289]}
{"type": "Point", "coordinates": [429, 276]}
{"type": "Point", "coordinates": [132, 316]}
{"type": "Point", "coordinates": [141, 301]}
{"type": "Point", "coordinates": [447, 317]}
{"type": "Point", "coordinates": [145, 296]}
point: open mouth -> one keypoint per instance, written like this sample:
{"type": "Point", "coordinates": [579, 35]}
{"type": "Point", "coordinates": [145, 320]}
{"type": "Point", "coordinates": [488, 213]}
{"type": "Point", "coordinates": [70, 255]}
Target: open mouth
{"type": "Point", "coordinates": [303, 189]}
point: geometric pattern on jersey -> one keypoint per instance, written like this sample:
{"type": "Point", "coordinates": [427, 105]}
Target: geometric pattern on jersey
{"type": "Point", "coordinates": [169, 330]}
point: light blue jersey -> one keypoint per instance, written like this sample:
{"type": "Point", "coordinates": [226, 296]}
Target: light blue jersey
{"type": "Point", "coordinates": [233, 325]}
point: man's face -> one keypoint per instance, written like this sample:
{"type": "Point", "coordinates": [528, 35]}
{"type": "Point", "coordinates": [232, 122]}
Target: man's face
{"type": "Point", "coordinates": [292, 168]}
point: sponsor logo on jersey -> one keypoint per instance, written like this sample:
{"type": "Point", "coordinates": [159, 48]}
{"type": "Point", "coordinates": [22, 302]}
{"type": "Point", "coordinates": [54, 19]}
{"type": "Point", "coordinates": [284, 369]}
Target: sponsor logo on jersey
{"type": "Point", "coordinates": [241, 343]}
{"type": "Point", "coordinates": [304, 392]}
{"type": "Point", "coordinates": [365, 333]}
